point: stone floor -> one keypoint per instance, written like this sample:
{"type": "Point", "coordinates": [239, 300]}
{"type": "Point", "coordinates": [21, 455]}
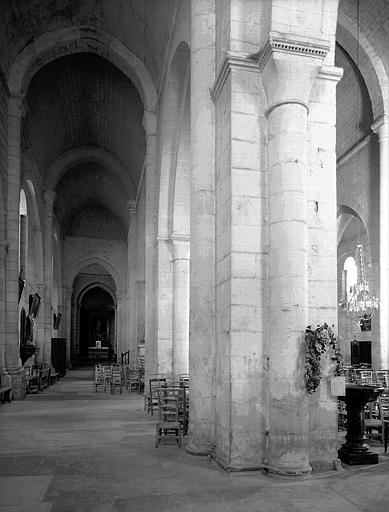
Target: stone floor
{"type": "Point", "coordinates": [70, 449]}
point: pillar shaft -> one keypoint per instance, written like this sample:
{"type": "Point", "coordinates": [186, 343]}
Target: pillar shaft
{"type": "Point", "coordinates": [381, 127]}
{"type": "Point", "coordinates": [202, 230]}
{"type": "Point", "coordinates": [48, 277]}
{"type": "Point", "coordinates": [151, 352]}
{"type": "Point", "coordinates": [181, 262]}
{"type": "Point", "coordinates": [288, 283]}
{"type": "Point", "coordinates": [3, 252]}
{"type": "Point", "coordinates": [12, 267]}
{"type": "Point", "coordinates": [288, 75]}
{"type": "Point", "coordinates": [131, 282]}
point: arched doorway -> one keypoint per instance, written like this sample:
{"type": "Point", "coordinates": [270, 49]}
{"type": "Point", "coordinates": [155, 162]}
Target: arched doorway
{"type": "Point", "coordinates": [97, 320]}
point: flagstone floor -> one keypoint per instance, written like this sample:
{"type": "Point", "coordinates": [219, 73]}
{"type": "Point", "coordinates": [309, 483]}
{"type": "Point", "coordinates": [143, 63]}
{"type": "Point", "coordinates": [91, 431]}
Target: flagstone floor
{"type": "Point", "coordinates": [70, 449]}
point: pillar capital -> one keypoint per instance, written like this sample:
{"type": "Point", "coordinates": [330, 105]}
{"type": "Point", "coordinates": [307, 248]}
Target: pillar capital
{"type": "Point", "coordinates": [181, 246]}
{"type": "Point", "coordinates": [132, 207]}
{"type": "Point", "coordinates": [17, 105]}
{"type": "Point", "coordinates": [41, 288]}
{"type": "Point", "coordinates": [50, 196]}
{"type": "Point", "coordinates": [121, 296]}
{"type": "Point", "coordinates": [150, 123]}
{"type": "Point", "coordinates": [289, 67]}
{"type": "Point", "coordinates": [381, 127]}
{"type": "Point", "coordinates": [233, 61]}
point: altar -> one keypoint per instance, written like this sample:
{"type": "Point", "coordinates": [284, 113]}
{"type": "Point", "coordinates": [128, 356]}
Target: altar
{"type": "Point", "coordinates": [98, 353]}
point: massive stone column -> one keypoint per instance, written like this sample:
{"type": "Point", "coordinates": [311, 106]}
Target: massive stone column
{"type": "Point", "coordinates": [12, 358]}
{"type": "Point", "coordinates": [131, 283]}
{"type": "Point", "coordinates": [322, 255]}
{"type": "Point", "coordinates": [67, 323]}
{"type": "Point", "coordinates": [120, 323]}
{"type": "Point", "coordinates": [181, 249]}
{"type": "Point", "coordinates": [381, 128]}
{"type": "Point", "coordinates": [151, 350]}
{"type": "Point", "coordinates": [3, 253]}
{"type": "Point", "coordinates": [48, 276]}
{"type": "Point", "coordinates": [288, 70]}
{"type": "Point", "coordinates": [241, 256]}
{"type": "Point", "coordinates": [202, 231]}
{"type": "Point", "coordinates": [164, 328]}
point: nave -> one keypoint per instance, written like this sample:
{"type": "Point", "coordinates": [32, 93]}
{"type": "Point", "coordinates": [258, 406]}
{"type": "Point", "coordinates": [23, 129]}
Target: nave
{"type": "Point", "coordinates": [72, 449]}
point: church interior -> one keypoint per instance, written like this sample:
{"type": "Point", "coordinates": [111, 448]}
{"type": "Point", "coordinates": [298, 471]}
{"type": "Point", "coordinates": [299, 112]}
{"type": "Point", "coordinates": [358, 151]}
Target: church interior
{"type": "Point", "coordinates": [190, 184]}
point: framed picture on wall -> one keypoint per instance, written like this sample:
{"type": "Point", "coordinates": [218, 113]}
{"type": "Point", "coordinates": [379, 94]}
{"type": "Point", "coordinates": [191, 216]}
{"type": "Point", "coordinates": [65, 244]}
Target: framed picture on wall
{"type": "Point", "coordinates": [35, 302]}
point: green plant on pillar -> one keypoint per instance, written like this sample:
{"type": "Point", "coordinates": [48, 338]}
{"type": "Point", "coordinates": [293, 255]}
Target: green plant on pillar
{"type": "Point", "coordinates": [317, 342]}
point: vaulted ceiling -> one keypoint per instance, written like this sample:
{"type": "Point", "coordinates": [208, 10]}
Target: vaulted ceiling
{"type": "Point", "coordinates": [82, 103]}
{"type": "Point", "coordinates": [83, 100]}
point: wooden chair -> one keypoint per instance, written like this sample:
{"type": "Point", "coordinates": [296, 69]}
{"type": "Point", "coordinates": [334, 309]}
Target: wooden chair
{"type": "Point", "coordinates": [365, 377]}
{"type": "Point", "coordinates": [131, 379]}
{"type": "Point", "coordinates": [342, 416]}
{"type": "Point", "coordinates": [99, 377]}
{"type": "Point", "coordinates": [376, 415]}
{"type": "Point", "coordinates": [382, 377]}
{"type": "Point", "coordinates": [117, 378]}
{"type": "Point", "coordinates": [107, 377]}
{"type": "Point", "coordinates": [152, 400]}
{"type": "Point", "coordinates": [168, 415]}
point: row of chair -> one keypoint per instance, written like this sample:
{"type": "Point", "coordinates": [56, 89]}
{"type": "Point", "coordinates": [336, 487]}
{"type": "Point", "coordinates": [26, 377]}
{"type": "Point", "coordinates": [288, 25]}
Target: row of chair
{"type": "Point", "coordinates": [117, 376]}
{"type": "Point", "coordinates": [366, 376]}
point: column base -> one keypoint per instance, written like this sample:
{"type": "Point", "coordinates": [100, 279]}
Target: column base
{"type": "Point", "coordinates": [199, 448]}
{"type": "Point", "coordinates": [18, 382]}
{"type": "Point", "coordinates": [354, 459]}
{"type": "Point", "coordinates": [289, 473]}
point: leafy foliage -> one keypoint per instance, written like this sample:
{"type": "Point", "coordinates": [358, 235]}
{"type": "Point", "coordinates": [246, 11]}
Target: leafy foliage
{"type": "Point", "coordinates": [316, 343]}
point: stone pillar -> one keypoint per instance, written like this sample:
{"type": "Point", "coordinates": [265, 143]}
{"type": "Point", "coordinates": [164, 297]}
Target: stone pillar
{"type": "Point", "coordinates": [74, 341]}
{"type": "Point", "coordinates": [202, 231]}
{"type": "Point", "coordinates": [288, 71]}
{"type": "Point", "coordinates": [181, 262]}
{"type": "Point", "coordinates": [67, 320]}
{"type": "Point", "coordinates": [12, 355]}
{"type": "Point", "coordinates": [322, 255]}
{"type": "Point", "coordinates": [120, 322]}
{"type": "Point", "coordinates": [151, 352]}
{"type": "Point", "coordinates": [164, 328]}
{"type": "Point", "coordinates": [241, 258]}
{"type": "Point", "coordinates": [131, 284]}
{"type": "Point", "coordinates": [381, 128]}
{"type": "Point", "coordinates": [48, 276]}
{"type": "Point", "coordinates": [3, 253]}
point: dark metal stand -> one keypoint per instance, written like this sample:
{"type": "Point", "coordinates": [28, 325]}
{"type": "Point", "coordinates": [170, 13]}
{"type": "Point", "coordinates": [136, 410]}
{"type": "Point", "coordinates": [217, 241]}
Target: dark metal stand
{"type": "Point", "coordinates": [355, 450]}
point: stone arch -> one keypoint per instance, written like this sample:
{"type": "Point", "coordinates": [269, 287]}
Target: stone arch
{"type": "Point", "coordinates": [90, 154]}
{"type": "Point", "coordinates": [174, 110]}
{"type": "Point", "coordinates": [89, 261]}
{"type": "Point", "coordinates": [371, 66]}
{"type": "Point", "coordinates": [65, 41]}
{"type": "Point", "coordinates": [33, 213]}
{"type": "Point", "coordinates": [97, 284]}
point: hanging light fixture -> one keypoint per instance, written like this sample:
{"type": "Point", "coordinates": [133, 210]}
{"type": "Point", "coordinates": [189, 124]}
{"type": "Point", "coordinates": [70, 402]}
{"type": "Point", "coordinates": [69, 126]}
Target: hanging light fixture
{"type": "Point", "coordinates": [358, 303]}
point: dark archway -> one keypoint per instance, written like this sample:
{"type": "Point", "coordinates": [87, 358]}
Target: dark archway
{"type": "Point", "coordinates": [97, 320]}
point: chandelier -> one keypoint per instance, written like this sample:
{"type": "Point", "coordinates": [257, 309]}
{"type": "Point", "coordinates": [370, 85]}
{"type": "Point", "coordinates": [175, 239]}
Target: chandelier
{"type": "Point", "coordinates": [359, 304]}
